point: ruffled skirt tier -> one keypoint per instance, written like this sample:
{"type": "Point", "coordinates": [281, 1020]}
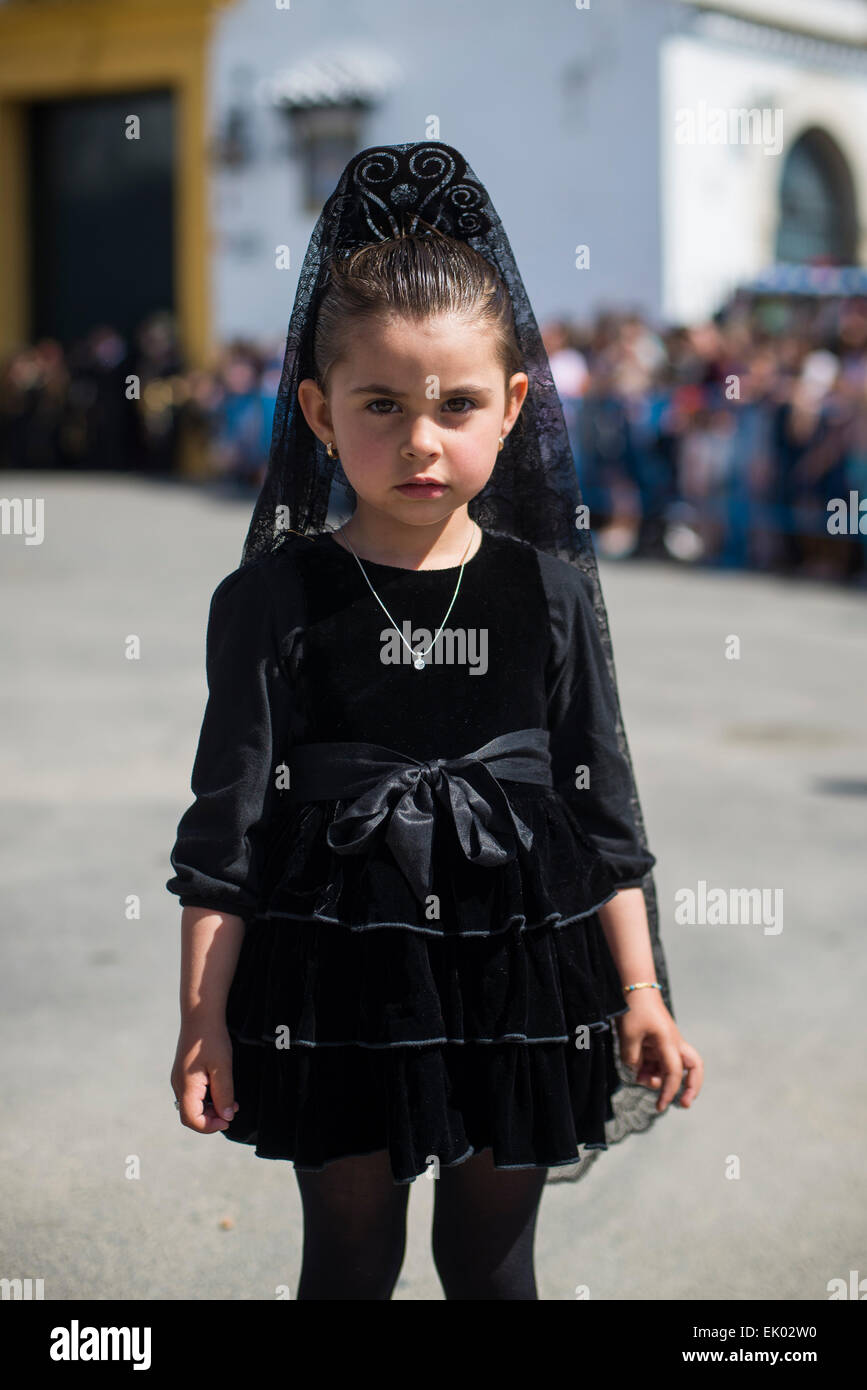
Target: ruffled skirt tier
{"type": "Point", "coordinates": [359, 1023]}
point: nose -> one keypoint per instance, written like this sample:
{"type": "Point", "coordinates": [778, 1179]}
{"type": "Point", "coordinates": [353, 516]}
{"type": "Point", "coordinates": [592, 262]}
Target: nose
{"type": "Point", "coordinates": [422, 441]}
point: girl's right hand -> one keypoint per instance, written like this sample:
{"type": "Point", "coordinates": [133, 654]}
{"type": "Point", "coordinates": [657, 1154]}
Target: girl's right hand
{"type": "Point", "coordinates": [203, 1061]}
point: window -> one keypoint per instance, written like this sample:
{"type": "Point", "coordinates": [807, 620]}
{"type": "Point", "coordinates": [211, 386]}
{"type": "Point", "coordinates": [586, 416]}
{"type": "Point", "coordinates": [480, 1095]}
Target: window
{"type": "Point", "coordinates": [325, 138]}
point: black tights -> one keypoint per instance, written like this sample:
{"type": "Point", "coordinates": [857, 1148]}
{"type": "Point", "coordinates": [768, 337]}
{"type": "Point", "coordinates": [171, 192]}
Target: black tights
{"type": "Point", "coordinates": [484, 1225]}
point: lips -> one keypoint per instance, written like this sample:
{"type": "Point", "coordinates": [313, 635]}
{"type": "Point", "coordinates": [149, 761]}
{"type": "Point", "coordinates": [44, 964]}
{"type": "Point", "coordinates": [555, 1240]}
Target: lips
{"type": "Point", "coordinates": [422, 489]}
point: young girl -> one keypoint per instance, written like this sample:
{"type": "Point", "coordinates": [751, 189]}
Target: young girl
{"type": "Point", "coordinates": [415, 885]}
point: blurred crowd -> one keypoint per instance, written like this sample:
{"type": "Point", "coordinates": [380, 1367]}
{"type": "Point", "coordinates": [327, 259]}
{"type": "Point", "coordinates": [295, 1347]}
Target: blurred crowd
{"type": "Point", "coordinates": [721, 443]}
{"type": "Point", "coordinates": [128, 405]}
{"type": "Point", "coordinates": [724, 443]}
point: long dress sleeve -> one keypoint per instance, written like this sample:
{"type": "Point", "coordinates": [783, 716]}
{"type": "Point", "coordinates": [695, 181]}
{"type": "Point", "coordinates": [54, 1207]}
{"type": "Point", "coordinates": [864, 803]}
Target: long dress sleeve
{"type": "Point", "coordinates": [220, 838]}
{"type": "Point", "coordinates": [582, 718]}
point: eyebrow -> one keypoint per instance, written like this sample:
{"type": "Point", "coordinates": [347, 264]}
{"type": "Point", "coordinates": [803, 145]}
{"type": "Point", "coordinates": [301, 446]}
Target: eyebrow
{"type": "Point", "coordinates": [376, 389]}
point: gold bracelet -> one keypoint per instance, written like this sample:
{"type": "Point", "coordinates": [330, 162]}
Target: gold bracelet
{"type": "Point", "coordinates": [642, 984]}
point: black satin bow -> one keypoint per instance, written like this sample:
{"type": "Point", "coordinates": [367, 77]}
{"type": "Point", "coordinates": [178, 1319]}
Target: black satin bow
{"type": "Point", "coordinates": [396, 794]}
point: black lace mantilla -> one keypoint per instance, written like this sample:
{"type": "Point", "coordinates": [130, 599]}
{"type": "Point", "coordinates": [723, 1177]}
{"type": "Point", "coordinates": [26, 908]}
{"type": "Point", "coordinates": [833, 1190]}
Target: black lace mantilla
{"type": "Point", "coordinates": [533, 493]}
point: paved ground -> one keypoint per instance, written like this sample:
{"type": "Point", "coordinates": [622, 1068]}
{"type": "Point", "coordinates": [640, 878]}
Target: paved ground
{"type": "Point", "coordinates": [753, 774]}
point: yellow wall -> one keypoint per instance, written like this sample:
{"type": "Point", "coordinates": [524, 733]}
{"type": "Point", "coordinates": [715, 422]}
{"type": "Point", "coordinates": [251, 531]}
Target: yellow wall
{"type": "Point", "coordinates": [63, 48]}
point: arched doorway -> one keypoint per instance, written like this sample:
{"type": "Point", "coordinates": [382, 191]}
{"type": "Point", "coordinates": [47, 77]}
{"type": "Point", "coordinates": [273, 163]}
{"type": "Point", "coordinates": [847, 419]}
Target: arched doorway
{"type": "Point", "coordinates": [817, 211]}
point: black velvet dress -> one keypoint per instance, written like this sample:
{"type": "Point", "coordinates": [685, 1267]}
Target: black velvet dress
{"type": "Point", "coordinates": [430, 977]}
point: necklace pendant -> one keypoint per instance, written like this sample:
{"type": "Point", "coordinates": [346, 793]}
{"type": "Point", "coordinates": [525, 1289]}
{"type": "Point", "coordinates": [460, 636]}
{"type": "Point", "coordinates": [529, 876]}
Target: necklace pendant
{"type": "Point", "coordinates": [419, 663]}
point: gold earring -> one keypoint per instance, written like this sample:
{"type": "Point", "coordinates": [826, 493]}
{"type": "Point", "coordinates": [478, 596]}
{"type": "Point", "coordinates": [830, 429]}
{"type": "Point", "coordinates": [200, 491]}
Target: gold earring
{"type": "Point", "coordinates": [329, 449]}
{"type": "Point", "coordinates": [501, 443]}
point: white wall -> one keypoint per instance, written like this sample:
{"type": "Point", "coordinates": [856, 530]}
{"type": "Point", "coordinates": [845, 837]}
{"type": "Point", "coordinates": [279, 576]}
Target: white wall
{"type": "Point", "coordinates": [554, 107]}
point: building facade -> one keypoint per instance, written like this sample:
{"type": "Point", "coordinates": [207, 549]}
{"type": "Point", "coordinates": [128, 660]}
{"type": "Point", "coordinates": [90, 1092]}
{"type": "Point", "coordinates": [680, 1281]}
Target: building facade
{"type": "Point", "coordinates": [651, 154]}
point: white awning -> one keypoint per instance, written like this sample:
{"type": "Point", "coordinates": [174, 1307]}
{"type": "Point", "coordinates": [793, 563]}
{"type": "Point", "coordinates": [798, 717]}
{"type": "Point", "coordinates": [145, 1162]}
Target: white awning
{"type": "Point", "coordinates": [334, 78]}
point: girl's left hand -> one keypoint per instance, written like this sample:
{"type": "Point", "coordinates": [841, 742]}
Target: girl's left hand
{"type": "Point", "coordinates": [651, 1045]}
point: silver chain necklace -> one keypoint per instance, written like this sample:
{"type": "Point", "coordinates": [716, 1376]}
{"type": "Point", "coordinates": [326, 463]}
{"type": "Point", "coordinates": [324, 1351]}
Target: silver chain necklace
{"type": "Point", "coordinates": [418, 656]}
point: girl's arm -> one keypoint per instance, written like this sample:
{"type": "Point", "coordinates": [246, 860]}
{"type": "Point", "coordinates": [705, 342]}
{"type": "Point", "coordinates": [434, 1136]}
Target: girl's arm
{"type": "Point", "coordinates": [624, 922]}
{"type": "Point", "coordinates": [650, 1041]}
{"type": "Point", "coordinates": [210, 946]}
{"type": "Point", "coordinates": [219, 851]}
{"type": "Point", "coordinates": [582, 715]}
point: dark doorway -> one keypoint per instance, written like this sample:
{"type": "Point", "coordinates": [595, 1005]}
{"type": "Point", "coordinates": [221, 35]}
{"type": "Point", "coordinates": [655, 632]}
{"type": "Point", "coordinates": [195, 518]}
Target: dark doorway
{"type": "Point", "coordinates": [101, 213]}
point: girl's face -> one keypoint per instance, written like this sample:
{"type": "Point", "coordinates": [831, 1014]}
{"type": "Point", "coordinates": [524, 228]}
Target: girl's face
{"type": "Point", "coordinates": [411, 400]}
